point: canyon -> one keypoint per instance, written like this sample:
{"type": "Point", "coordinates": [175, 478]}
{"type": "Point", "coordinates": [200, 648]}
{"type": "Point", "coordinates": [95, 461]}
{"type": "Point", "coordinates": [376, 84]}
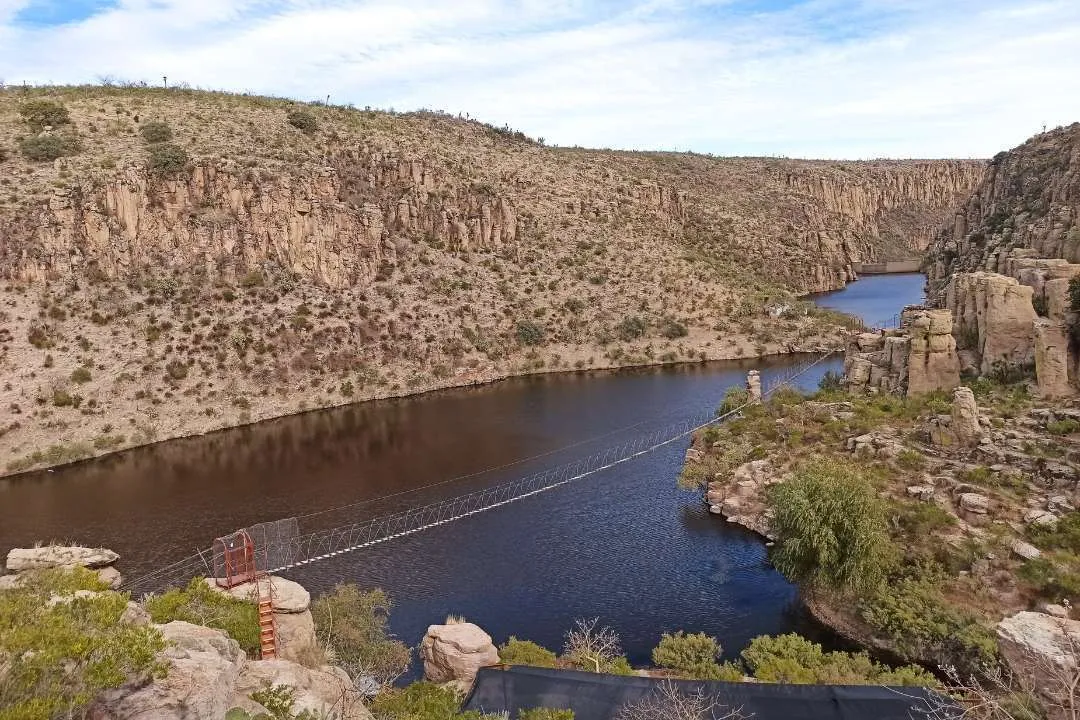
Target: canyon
{"type": "Point", "coordinates": [194, 261]}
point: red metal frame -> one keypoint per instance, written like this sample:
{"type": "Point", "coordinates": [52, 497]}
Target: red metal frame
{"type": "Point", "coordinates": [234, 559]}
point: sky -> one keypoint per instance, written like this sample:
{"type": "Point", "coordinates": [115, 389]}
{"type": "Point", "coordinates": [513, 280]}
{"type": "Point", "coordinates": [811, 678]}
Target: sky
{"type": "Point", "coordinates": [800, 78]}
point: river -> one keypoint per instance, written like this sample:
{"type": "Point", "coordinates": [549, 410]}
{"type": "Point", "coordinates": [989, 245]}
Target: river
{"type": "Point", "coordinates": [625, 545]}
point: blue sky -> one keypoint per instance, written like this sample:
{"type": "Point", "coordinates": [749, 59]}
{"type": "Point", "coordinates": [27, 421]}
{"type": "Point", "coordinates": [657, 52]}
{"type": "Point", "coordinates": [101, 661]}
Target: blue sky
{"type": "Point", "coordinates": [810, 78]}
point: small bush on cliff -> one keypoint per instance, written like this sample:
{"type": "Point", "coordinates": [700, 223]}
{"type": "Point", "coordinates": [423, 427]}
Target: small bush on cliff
{"type": "Point", "coordinates": [692, 656]}
{"type": "Point", "coordinates": [167, 160]}
{"type": "Point", "coordinates": [302, 120]}
{"type": "Point", "coordinates": [832, 528]}
{"type": "Point", "coordinates": [155, 131]}
{"type": "Point", "coordinates": [734, 398]}
{"type": "Point", "coordinates": [794, 659]}
{"type": "Point", "coordinates": [40, 114]}
{"type": "Point", "coordinates": [45, 148]}
{"type": "Point", "coordinates": [530, 333]}
{"type": "Point", "coordinates": [631, 328]}
{"type": "Point", "coordinates": [56, 657]}
{"type": "Point", "coordinates": [201, 605]}
{"type": "Point", "coordinates": [526, 652]}
{"type": "Point", "coordinates": [422, 701]}
{"type": "Point", "coordinates": [353, 625]}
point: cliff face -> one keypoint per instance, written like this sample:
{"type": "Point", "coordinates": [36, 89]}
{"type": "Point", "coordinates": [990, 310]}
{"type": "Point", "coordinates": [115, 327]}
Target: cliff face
{"type": "Point", "coordinates": [1029, 199]}
{"type": "Point", "coordinates": [276, 268]}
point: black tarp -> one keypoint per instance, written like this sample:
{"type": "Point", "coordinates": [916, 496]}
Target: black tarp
{"type": "Point", "coordinates": [600, 697]}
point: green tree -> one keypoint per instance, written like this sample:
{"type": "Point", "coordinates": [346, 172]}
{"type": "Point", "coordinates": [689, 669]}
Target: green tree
{"type": "Point", "coordinates": [692, 656]}
{"type": "Point", "coordinates": [792, 658]}
{"type": "Point", "coordinates": [353, 625]}
{"type": "Point", "coordinates": [40, 114]}
{"type": "Point", "coordinates": [832, 528]}
{"type": "Point", "coordinates": [526, 652]}
{"type": "Point", "coordinates": [58, 650]}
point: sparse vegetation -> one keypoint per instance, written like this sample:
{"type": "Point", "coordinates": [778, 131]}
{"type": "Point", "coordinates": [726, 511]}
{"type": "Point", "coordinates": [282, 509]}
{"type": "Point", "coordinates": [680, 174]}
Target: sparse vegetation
{"type": "Point", "coordinates": [302, 120]}
{"type": "Point", "coordinates": [156, 131]}
{"type": "Point", "coordinates": [352, 625]}
{"type": "Point", "coordinates": [199, 604]}
{"type": "Point", "coordinates": [48, 147]}
{"type": "Point", "coordinates": [167, 160]}
{"type": "Point", "coordinates": [42, 114]}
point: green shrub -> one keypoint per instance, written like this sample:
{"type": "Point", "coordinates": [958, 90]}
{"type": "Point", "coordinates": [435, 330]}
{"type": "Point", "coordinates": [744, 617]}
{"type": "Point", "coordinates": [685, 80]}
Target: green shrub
{"type": "Point", "coordinates": [418, 701]}
{"type": "Point", "coordinates": [543, 713]}
{"type": "Point", "coordinates": [1055, 577]}
{"type": "Point", "coordinates": [81, 375]}
{"type": "Point", "coordinates": [911, 460]}
{"type": "Point", "coordinates": [198, 603]}
{"type": "Point", "coordinates": [529, 332]}
{"type": "Point", "coordinates": [167, 160]}
{"type": "Point", "coordinates": [734, 397]}
{"type": "Point", "coordinates": [794, 659]}
{"type": "Point", "coordinates": [631, 328]}
{"type": "Point", "coordinates": [176, 369]}
{"type": "Point", "coordinates": [1064, 535]}
{"type": "Point", "coordinates": [62, 398]}
{"type": "Point", "coordinates": [40, 114]}
{"type": "Point", "coordinates": [155, 131]}
{"type": "Point", "coordinates": [1063, 427]}
{"type": "Point", "coordinates": [831, 382]}
{"type": "Point", "coordinates": [302, 120]}
{"type": "Point", "coordinates": [832, 528]}
{"type": "Point", "coordinates": [914, 615]}
{"type": "Point", "coordinates": [46, 148]}
{"type": "Point", "coordinates": [672, 328]}
{"type": "Point", "coordinates": [59, 656]}
{"type": "Point", "coordinates": [526, 652]}
{"type": "Point", "coordinates": [353, 623]}
{"type": "Point", "coordinates": [692, 656]}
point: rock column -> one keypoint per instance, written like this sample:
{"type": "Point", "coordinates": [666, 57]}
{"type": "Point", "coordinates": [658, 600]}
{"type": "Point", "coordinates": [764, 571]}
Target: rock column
{"type": "Point", "coordinates": [965, 417]}
{"type": "Point", "coordinates": [753, 386]}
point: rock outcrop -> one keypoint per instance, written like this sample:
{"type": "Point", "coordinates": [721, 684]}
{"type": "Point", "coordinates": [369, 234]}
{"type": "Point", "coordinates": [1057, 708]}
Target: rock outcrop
{"type": "Point", "coordinates": [741, 500]}
{"type": "Point", "coordinates": [293, 622]}
{"type": "Point", "coordinates": [1044, 651]}
{"type": "Point", "coordinates": [20, 560]}
{"type": "Point", "coordinates": [455, 652]}
{"type": "Point", "coordinates": [995, 317]}
{"type": "Point", "coordinates": [965, 417]}
{"type": "Point", "coordinates": [918, 357]}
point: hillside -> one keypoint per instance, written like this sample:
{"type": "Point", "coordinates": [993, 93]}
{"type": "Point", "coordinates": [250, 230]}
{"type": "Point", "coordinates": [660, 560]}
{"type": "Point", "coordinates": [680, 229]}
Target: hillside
{"type": "Point", "coordinates": [176, 262]}
{"type": "Point", "coordinates": [1029, 199]}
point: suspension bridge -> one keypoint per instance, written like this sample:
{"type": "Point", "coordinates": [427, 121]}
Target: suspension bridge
{"type": "Point", "coordinates": [279, 545]}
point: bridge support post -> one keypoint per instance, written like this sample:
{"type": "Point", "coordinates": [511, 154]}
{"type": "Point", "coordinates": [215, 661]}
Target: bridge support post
{"type": "Point", "coordinates": [753, 386]}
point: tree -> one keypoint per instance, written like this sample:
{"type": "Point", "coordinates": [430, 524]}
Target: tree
{"type": "Point", "coordinates": [668, 702]}
{"type": "Point", "coordinates": [832, 528]}
{"type": "Point", "coordinates": [595, 649]}
{"type": "Point", "coordinates": [353, 626]}
{"type": "Point", "coordinates": [40, 114]}
{"type": "Point", "coordinates": [526, 652]}
{"type": "Point", "coordinates": [692, 656]}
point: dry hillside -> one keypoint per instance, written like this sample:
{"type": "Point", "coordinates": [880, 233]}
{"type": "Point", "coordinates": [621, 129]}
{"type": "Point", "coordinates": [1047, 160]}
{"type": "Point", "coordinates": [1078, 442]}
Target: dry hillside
{"type": "Point", "coordinates": [174, 262]}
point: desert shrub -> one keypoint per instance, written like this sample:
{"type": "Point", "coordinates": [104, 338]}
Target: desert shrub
{"type": "Point", "coordinates": [302, 120]}
{"type": "Point", "coordinates": [176, 369]}
{"type": "Point", "coordinates": [198, 603]}
{"type": "Point", "coordinates": [631, 328]}
{"type": "Point", "coordinates": [40, 114]}
{"type": "Point", "coordinates": [529, 332]}
{"type": "Point", "coordinates": [832, 527]}
{"type": "Point", "coordinates": [831, 382]}
{"type": "Point", "coordinates": [1074, 294]}
{"type": "Point", "coordinates": [1055, 576]}
{"type": "Point", "coordinates": [155, 131]}
{"type": "Point", "coordinates": [1063, 427]}
{"type": "Point", "coordinates": [1064, 535]}
{"type": "Point", "coordinates": [1040, 304]}
{"type": "Point", "coordinates": [46, 148]}
{"type": "Point", "coordinates": [794, 659]}
{"type": "Point", "coordinates": [420, 701]}
{"type": "Point", "coordinates": [58, 656]}
{"type": "Point", "coordinates": [734, 397]}
{"type": "Point", "coordinates": [81, 375]}
{"type": "Point", "coordinates": [595, 648]}
{"type": "Point", "coordinates": [167, 159]}
{"type": "Point", "coordinates": [672, 328]}
{"type": "Point", "coordinates": [526, 652]}
{"type": "Point", "coordinates": [543, 713]}
{"type": "Point", "coordinates": [353, 624]}
{"type": "Point", "coordinates": [693, 656]}
{"type": "Point", "coordinates": [911, 460]}
{"type": "Point", "coordinates": [911, 611]}
{"type": "Point", "coordinates": [1006, 373]}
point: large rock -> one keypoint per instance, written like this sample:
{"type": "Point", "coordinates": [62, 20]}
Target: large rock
{"type": "Point", "coordinates": [1052, 358]}
{"type": "Point", "coordinates": [203, 668]}
{"type": "Point", "coordinates": [455, 652]}
{"type": "Point", "coordinates": [994, 313]}
{"type": "Point", "coordinates": [289, 596]}
{"type": "Point", "coordinates": [932, 363]}
{"type": "Point", "coordinates": [53, 556]}
{"type": "Point", "coordinates": [965, 417]}
{"type": "Point", "coordinates": [974, 503]}
{"type": "Point", "coordinates": [1042, 650]}
{"type": "Point", "coordinates": [295, 636]}
{"type": "Point", "coordinates": [326, 691]}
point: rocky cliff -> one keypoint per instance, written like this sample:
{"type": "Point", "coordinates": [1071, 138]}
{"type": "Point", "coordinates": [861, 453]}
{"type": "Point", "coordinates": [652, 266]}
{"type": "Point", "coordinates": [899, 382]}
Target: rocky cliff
{"type": "Point", "coordinates": [177, 262]}
{"type": "Point", "coordinates": [1029, 198]}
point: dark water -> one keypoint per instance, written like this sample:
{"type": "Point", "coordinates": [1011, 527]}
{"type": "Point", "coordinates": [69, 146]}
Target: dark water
{"type": "Point", "coordinates": [877, 298]}
{"type": "Point", "coordinates": [624, 545]}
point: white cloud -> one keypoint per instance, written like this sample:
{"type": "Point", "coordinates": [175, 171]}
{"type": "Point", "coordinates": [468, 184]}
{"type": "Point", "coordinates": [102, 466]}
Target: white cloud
{"type": "Point", "coordinates": [823, 78]}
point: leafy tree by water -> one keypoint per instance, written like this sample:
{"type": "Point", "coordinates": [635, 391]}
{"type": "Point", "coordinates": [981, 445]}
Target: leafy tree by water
{"type": "Point", "coordinates": [691, 655]}
{"type": "Point", "coordinates": [832, 528]}
{"type": "Point", "coordinates": [526, 652]}
{"type": "Point", "coordinates": [353, 624]}
{"type": "Point", "coordinates": [792, 658]}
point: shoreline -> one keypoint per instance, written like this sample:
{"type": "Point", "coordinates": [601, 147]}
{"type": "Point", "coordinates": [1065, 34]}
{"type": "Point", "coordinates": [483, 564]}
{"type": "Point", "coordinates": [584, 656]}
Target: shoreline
{"type": "Point", "coordinates": [6, 476]}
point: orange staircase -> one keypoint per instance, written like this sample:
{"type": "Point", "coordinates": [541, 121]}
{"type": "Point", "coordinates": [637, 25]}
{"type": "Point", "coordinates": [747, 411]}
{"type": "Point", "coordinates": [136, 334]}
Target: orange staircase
{"type": "Point", "coordinates": [267, 626]}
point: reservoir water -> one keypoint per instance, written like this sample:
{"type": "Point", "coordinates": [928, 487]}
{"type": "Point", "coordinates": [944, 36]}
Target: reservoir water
{"type": "Point", "coordinates": [625, 545]}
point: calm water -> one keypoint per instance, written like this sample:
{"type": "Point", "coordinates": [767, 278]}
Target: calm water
{"type": "Point", "coordinates": [876, 298]}
{"type": "Point", "coordinates": [624, 545]}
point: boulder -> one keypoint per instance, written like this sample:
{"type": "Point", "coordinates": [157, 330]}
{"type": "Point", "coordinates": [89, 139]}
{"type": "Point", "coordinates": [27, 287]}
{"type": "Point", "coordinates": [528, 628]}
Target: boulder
{"type": "Point", "coordinates": [203, 668]}
{"type": "Point", "coordinates": [921, 492]}
{"type": "Point", "coordinates": [1059, 505]}
{"type": "Point", "coordinates": [964, 419]}
{"type": "Point", "coordinates": [1052, 358]}
{"type": "Point", "coordinates": [1041, 650]}
{"type": "Point", "coordinates": [53, 556]}
{"type": "Point", "coordinates": [455, 652]}
{"type": "Point", "coordinates": [295, 635]}
{"type": "Point", "coordinates": [1054, 610]}
{"type": "Point", "coordinates": [997, 312]}
{"type": "Point", "coordinates": [289, 596]}
{"type": "Point", "coordinates": [753, 386]}
{"type": "Point", "coordinates": [1025, 550]}
{"type": "Point", "coordinates": [324, 692]}
{"type": "Point", "coordinates": [1042, 518]}
{"type": "Point", "coordinates": [111, 577]}
{"type": "Point", "coordinates": [974, 503]}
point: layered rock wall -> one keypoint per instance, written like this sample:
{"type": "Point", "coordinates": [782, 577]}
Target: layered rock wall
{"type": "Point", "coordinates": [919, 357]}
